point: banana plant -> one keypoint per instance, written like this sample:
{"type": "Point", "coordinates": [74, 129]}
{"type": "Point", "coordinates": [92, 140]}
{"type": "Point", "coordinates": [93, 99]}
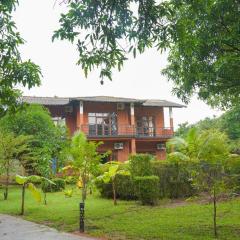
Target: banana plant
{"type": "Point", "coordinates": [110, 176]}
{"type": "Point", "coordinates": [28, 183]}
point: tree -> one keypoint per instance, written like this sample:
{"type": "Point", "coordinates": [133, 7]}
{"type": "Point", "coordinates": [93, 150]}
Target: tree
{"type": "Point", "coordinates": [202, 36]}
{"type": "Point", "coordinates": [185, 148]}
{"type": "Point", "coordinates": [230, 123]}
{"type": "Point", "coordinates": [209, 150]}
{"type": "Point", "coordinates": [85, 159]}
{"type": "Point", "coordinates": [110, 176]}
{"type": "Point", "coordinates": [28, 182]}
{"type": "Point", "coordinates": [12, 149]}
{"type": "Point", "coordinates": [48, 139]}
{"type": "Point", "coordinates": [205, 51]}
{"type": "Point", "coordinates": [205, 124]}
{"type": "Point", "coordinates": [211, 178]}
{"type": "Point", "coordinates": [13, 71]}
{"type": "Point", "coordinates": [182, 129]}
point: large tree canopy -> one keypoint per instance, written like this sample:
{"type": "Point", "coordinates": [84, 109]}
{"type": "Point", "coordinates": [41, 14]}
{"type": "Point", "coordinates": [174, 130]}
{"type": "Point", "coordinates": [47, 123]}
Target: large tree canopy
{"type": "Point", "coordinates": [13, 71]}
{"type": "Point", "coordinates": [48, 139]}
{"type": "Point", "coordinates": [205, 54]}
{"type": "Point", "coordinates": [203, 38]}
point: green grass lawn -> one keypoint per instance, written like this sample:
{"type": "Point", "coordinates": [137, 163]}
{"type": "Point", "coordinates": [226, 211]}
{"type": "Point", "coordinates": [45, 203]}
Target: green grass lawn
{"type": "Point", "coordinates": [129, 220]}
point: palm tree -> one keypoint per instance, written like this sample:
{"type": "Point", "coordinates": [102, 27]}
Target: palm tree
{"type": "Point", "coordinates": [185, 149]}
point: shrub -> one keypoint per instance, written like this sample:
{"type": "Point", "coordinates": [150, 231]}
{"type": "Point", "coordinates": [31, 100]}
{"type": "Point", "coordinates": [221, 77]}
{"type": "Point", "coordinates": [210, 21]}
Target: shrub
{"type": "Point", "coordinates": [147, 189]}
{"type": "Point", "coordinates": [59, 185]}
{"type": "Point", "coordinates": [124, 187]}
{"type": "Point", "coordinates": [140, 165]}
{"type": "Point", "coordinates": [105, 189]}
{"type": "Point", "coordinates": [72, 180]}
{"type": "Point", "coordinates": [174, 179]}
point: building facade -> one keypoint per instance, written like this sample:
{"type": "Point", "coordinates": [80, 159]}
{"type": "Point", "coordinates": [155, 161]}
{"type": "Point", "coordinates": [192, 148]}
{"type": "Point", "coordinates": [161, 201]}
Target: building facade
{"type": "Point", "coordinates": [125, 126]}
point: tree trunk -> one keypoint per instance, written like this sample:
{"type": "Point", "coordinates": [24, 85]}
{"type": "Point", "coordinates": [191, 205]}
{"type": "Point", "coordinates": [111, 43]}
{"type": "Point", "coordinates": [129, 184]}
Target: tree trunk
{"type": "Point", "coordinates": [114, 192]}
{"type": "Point", "coordinates": [45, 198]}
{"type": "Point", "coordinates": [84, 194]}
{"type": "Point", "coordinates": [84, 190]}
{"type": "Point", "coordinates": [6, 185]}
{"type": "Point", "coordinates": [214, 213]}
{"type": "Point", "coordinates": [23, 198]}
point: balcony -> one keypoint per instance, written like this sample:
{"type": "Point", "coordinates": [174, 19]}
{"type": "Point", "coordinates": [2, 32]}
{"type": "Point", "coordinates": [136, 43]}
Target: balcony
{"type": "Point", "coordinates": [107, 131]}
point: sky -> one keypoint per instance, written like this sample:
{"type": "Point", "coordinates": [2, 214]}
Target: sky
{"type": "Point", "coordinates": [36, 21]}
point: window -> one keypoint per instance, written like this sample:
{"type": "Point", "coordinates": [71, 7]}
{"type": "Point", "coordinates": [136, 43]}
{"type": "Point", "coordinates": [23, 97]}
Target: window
{"type": "Point", "coordinates": [59, 121]}
{"type": "Point", "coordinates": [145, 126]}
{"type": "Point", "coordinates": [102, 124]}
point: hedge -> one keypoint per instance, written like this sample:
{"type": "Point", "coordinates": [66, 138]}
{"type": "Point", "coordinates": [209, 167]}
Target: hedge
{"type": "Point", "coordinates": [174, 179]}
{"type": "Point", "coordinates": [140, 165]}
{"type": "Point", "coordinates": [124, 188]}
{"type": "Point", "coordinates": [147, 189]}
{"type": "Point", "coordinates": [232, 168]}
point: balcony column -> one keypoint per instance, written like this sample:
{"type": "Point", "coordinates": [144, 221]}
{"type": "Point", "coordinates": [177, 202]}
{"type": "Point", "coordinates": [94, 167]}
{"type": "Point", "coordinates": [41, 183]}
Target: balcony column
{"type": "Point", "coordinates": [132, 123]}
{"type": "Point", "coordinates": [132, 119]}
{"type": "Point", "coordinates": [80, 115]}
{"type": "Point", "coordinates": [132, 116]}
{"type": "Point", "coordinates": [133, 146]}
{"type": "Point", "coordinates": [171, 118]}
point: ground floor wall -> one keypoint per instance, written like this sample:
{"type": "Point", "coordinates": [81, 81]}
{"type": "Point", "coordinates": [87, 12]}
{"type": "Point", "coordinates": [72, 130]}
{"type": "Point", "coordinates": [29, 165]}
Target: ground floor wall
{"type": "Point", "coordinates": [149, 147]}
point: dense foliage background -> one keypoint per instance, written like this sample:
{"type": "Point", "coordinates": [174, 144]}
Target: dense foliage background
{"type": "Point", "coordinates": [229, 123]}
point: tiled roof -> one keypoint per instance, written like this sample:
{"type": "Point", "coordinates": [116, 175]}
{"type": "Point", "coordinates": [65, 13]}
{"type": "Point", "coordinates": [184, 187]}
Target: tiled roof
{"type": "Point", "coordinates": [64, 101]}
{"type": "Point", "coordinates": [107, 99]}
{"type": "Point", "coordinates": [161, 103]}
{"type": "Point", "coordinates": [46, 100]}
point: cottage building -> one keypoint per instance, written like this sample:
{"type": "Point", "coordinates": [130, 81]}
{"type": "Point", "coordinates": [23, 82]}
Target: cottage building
{"type": "Point", "coordinates": [124, 125]}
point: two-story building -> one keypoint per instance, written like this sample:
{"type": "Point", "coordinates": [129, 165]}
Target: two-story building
{"type": "Point", "coordinates": [124, 125]}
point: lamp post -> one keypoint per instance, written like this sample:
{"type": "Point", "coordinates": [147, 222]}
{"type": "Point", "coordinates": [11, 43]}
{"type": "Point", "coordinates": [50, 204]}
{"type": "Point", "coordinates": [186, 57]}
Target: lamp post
{"type": "Point", "coordinates": [81, 219]}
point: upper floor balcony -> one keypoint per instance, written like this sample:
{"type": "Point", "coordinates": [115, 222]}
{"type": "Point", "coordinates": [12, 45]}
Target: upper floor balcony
{"type": "Point", "coordinates": [112, 131]}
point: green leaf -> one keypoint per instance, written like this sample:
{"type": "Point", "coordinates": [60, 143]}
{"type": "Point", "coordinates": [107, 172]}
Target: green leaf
{"type": "Point", "coordinates": [124, 172]}
{"type": "Point", "coordinates": [113, 170]}
{"type": "Point", "coordinates": [106, 178]}
{"type": "Point", "coordinates": [68, 193]}
{"type": "Point", "coordinates": [34, 179]}
{"type": "Point", "coordinates": [20, 179]}
{"type": "Point", "coordinates": [35, 192]}
{"type": "Point", "coordinates": [48, 180]}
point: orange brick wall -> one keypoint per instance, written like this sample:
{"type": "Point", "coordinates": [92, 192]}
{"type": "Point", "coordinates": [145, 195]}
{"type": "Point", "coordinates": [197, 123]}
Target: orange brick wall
{"type": "Point", "coordinates": [121, 155]}
{"type": "Point", "coordinates": [156, 112]}
{"type": "Point", "coordinates": [150, 147]}
{"type": "Point", "coordinates": [74, 121]}
{"type": "Point", "coordinates": [71, 123]}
